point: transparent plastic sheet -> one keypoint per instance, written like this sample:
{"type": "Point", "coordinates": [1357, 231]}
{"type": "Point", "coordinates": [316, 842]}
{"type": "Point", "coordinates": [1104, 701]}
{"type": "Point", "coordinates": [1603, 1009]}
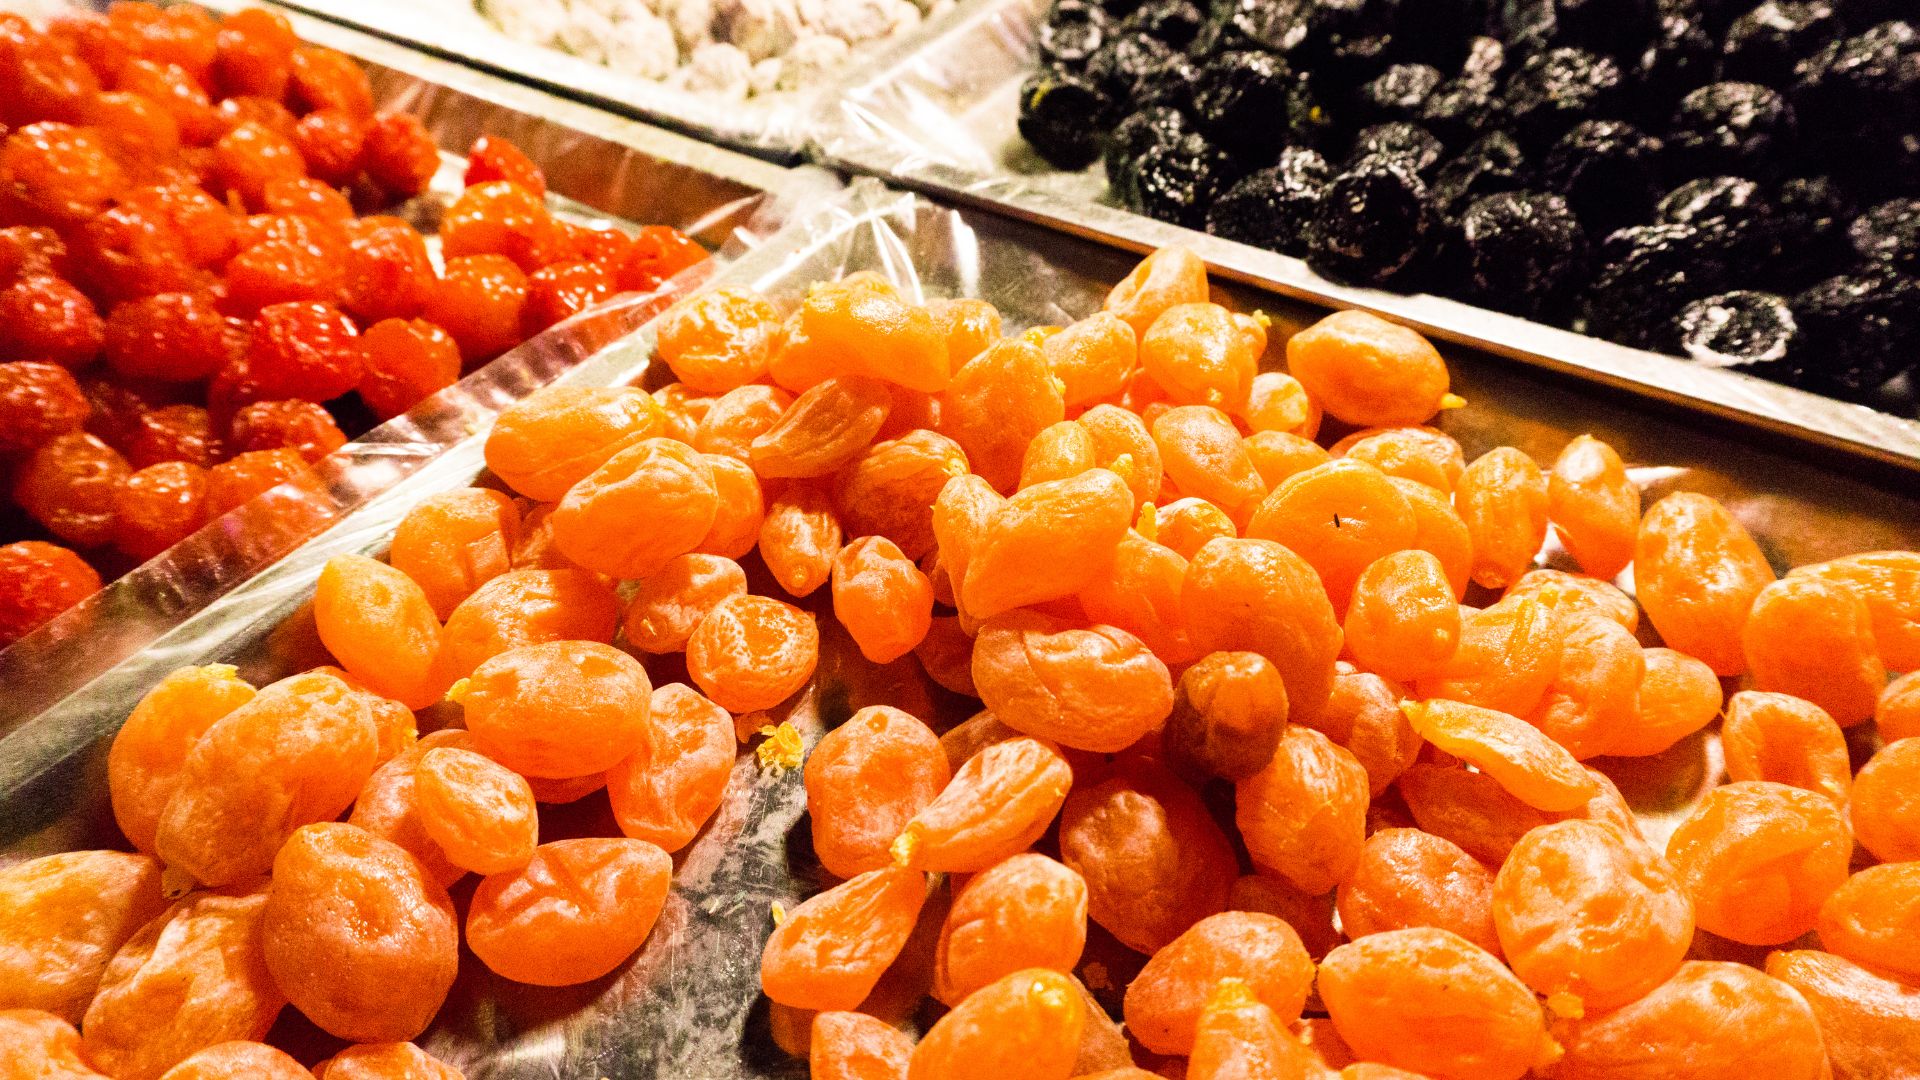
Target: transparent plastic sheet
{"type": "Point", "coordinates": [937, 112]}
{"type": "Point", "coordinates": [688, 1006]}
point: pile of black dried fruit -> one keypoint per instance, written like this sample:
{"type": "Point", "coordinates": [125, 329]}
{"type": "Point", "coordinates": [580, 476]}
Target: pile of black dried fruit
{"type": "Point", "coordinates": [1731, 181]}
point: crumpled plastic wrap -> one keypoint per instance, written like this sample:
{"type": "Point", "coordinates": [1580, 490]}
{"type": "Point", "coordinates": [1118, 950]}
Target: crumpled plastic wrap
{"type": "Point", "coordinates": [938, 112]}
{"type": "Point", "coordinates": [688, 1007]}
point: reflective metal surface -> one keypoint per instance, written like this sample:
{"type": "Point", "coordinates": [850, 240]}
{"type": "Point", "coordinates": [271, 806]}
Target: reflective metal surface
{"type": "Point", "coordinates": [937, 112]}
{"type": "Point", "coordinates": [687, 1007]}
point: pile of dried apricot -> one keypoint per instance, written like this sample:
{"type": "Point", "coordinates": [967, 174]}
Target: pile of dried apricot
{"type": "Point", "coordinates": [185, 287]}
{"type": "Point", "coordinates": [1249, 773]}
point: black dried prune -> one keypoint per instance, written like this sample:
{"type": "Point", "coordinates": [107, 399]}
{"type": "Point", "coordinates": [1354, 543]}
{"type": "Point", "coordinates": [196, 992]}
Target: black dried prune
{"type": "Point", "coordinates": [1730, 127]}
{"type": "Point", "coordinates": [1735, 205]}
{"type": "Point", "coordinates": [1861, 331]}
{"type": "Point", "coordinates": [1555, 90]}
{"type": "Point", "coordinates": [1169, 83]}
{"type": "Point", "coordinates": [1607, 26]}
{"type": "Point", "coordinates": [1072, 33]}
{"type": "Point", "coordinates": [1753, 331]}
{"type": "Point", "coordinates": [1178, 180]}
{"type": "Point", "coordinates": [1172, 21]}
{"type": "Point", "coordinates": [1609, 171]}
{"type": "Point", "coordinates": [1271, 208]}
{"type": "Point", "coordinates": [1374, 226]}
{"type": "Point", "coordinates": [1765, 44]}
{"type": "Point", "coordinates": [1647, 274]}
{"type": "Point", "coordinates": [1491, 164]}
{"type": "Point", "coordinates": [1396, 94]}
{"type": "Point", "coordinates": [1410, 144]}
{"type": "Point", "coordinates": [1845, 86]}
{"type": "Point", "coordinates": [1236, 98]}
{"type": "Point", "coordinates": [1062, 117]}
{"type": "Point", "coordinates": [1681, 57]}
{"type": "Point", "coordinates": [1809, 226]}
{"type": "Point", "coordinates": [1123, 61]}
{"type": "Point", "coordinates": [1344, 41]}
{"type": "Point", "coordinates": [1486, 61]}
{"type": "Point", "coordinates": [1888, 236]}
{"type": "Point", "coordinates": [1129, 141]}
{"type": "Point", "coordinates": [1525, 253]}
{"type": "Point", "coordinates": [1463, 109]}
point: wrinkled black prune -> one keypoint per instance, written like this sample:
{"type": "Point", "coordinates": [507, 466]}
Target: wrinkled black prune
{"type": "Point", "coordinates": [1129, 140]}
{"type": "Point", "coordinates": [1062, 116]}
{"type": "Point", "coordinates": [1410, 144]}
{"type": "Point", "coordinates": [1486, 61]}
{"type": "Point", "coordinates": [1343, 40]}
{"type": "Point", "coordinates": [1374, 224]}
{"type": "Point", "coordinates": [1462, 109]}
{"type": "Point", "coordinates": [1172, 21]}
{"type": "Point", "coordinates": [1809, 226]}
{"type": "Point", "coordinates": [1681, 56]}
{"type": "Point", "coordinates": [1396, 94]}
{"type": "Point", "coordinates": [1647, 274]}
{"type": "Point", "coordinates": [1765, 44]}
{"type": "Point", "coordinates": [1178, 180]}
{"type": "Point", "coordinates": [1123, 60]}
{"type": "Point", "coordinates": [1846, 85]}
{"type": "Point", "coordinates": [1491, 164]}
{"type": "Point", "coordinates": [1524, 252]}
{"type": "Point", "coordinates": [1731, 127]}
{"type": "Point", "coordinates": [1169, 83]}
{"type": "Point", "coordinates": [1608, 26]}
{"type": "Point", "coordinates": [1755, 331]}
{"type": "Point", "coordinates": [1861, 330]}
{"type": "Point", "coordinates": [1609, 171]}
{"type": "Point", "coordinates": [1735, 205]}
{"type": "Point", "coordinates": [1271, 208]}
{"type": "Point", "coordinates": [1072, 33]}
{"type": "Point", "coordinates": [1888, 236]}
{"type": "Point", "coordinates": [1237, 97]}
{"type": "Point", "coordinates": [1557, 89]}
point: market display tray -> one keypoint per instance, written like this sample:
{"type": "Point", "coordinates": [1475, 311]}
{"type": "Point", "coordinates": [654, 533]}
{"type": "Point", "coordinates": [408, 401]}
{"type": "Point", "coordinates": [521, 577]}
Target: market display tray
{"type": "Point", "coordinates": [936, 112]}
{"type": "Point", "coordinates": [688, 1007]}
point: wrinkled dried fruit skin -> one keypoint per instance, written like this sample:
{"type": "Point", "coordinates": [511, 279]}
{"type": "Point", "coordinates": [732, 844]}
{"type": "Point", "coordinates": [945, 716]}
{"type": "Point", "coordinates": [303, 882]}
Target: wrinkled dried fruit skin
{"type": "Point", "coordinates": [855, 1046]}
{"type": "Point", "coordinates": [1595, 693]}
{"type": "Point", "coordinates": [667, 606]}
{"type": "Point", "coordinates": [1585, 910]}
{"type": "Point", "coordinates": [356, 934]}
{"type": "Point", "coordinates": [1027, 1024]}
{"type": "Point", "coordinates": [1872, 918]}
{"type": "Point", "coordinates": [753, 652]}
{"type": "Point", "coordinates": [647, 504]}
{"type": "Point", "coordinates": [1469, 808]}
{"type": "Point", "coordinates": [62, 917]}
{"type": "Point", "coordinates": [1813, 638]}
{"type": "Point", "coordinates": [881, 598]}
{"type": "Point", "coordinates": [388, 807]}
{"type": "Point", "coordinates": [865, 780]}
{"type": "Point", "coordinates": [1168, 276]}
{"type": "Point", "coordinates": [1594, 506]}
{"type": "Point", "coordinates": [1096, 689]}
{"type": "Point", "coordinates": [150, 749]}
{"type": "Point", "coordinates": [453, 542]}
{"type": "Point", "coordinates": [1889, 581]}
{"type": "Point", "coordinates": [1164, 1002]}
{"type": "Point", "coordinates": [194, 977]}
{"type": "Point", "coordinates": [675, 781]}
{"type": "Point", "coordinates": [381, 627]}
{"type": "Point", "coordinates": [574, 913]}
{"type": "Point", "coordinates": [1367, 371]}
{"type": "Point", "coordinates": [480, 814]}
{"type": "Point", "coordinates": [386, 1061]}
{"type": "Point", "coordinates": [1402, 622]}
{"type": "Point", "coordinates": [1229, 713]}
{"type": "Point", "coordinates": [1363, 714]}
{"type": "Point", "coordinates": [1341, 518]}
{"type": "Point", "coordinates": [1046, 542]}
{"type": "Point", "coordinates": [526, 607]}
{"type": "Point", "coordinates": [238, 1060]}
{"type": "Point", "coordinates": [889, 488]}
{"type": "Point", "coordinates": [1140, 594]}
{"type": "Point", "coordinates": [997, 402]}
{"type": "Point", "coordinates": [824, 428]}
{"type": "Point", "coordinates": [1533, 768]}
{"type": "Point", "coordinates": [1238, 1036]}
{"type": "Point", "coordinates": [1205, 456]}
{"type": "Point", "coordinates": [561, 709]}
{"type": "Point", "coordinates": [1026, 912]}
{"type": "Point", "coordinates": [799, 538]}
{"type": "Point", "coordinates": [998, 803]}
{"type": "Point", "coordinates": [828, 953]}
{"type": "Point", "coordinates": [1256, 596]}
{"type": "Point", "coordinates": [1713, 1020]}
{"type": "Point", "coordinates": [1759, 859]}
{"type": "Point", "coordinates": [1886, 803]}
{"type": "Point", "coordinates": [1679, 695]}
{"type": "Point", "coordinates": [41, 1046]}
{"type": "Point", "coordinates": [1503, 499]}
{"type": "Point", "coordinates": [1408, 878]}
{"type": "Point", "coordinates": [1897, 714]}
{"type": "Point", "coordinates": [297, 753]}
{"type": "Point", "coordinates": [1304, 815]}
{"type": "Point", "coordinates": [1869, 1023]}
{"type": "Point", "coordinates": [1778, 737]}
{"type": "Point", "coordinates": [1433, 1002]}
{"type": "Point", "coordinates": [1427, 455]}
{"type": "Point", "coordinates": [558, 436]}
{"type": "Point", "coordinates": [1153, 860]}
{"type": "Point", "coordinates": [1508, 656]}
{"type": "Point", "coordinates": [1203, 354]}
{"type": "Point", "coordinates": [1696, 571]}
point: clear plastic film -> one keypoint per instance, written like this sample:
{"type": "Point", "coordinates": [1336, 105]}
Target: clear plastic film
{"type": "Point", "coordinates": [938, 112]}
{"type": "Point", "coordinates": [688, 1006]}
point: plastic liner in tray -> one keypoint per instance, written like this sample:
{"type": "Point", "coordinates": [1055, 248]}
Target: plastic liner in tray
{"type": "Point", "coordinates": [937, 112]}
{"type": "Point", "coordinates": [687, 1007]}
{"type": "Point", "coordinates": [601, 168]}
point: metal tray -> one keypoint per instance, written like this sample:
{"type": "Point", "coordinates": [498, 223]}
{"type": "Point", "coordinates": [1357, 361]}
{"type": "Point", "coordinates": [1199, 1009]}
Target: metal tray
{"type": "Point", "coordinates": [937, 112]}
{"type": "Point", "coordinates": [688, 1006]}
{"type": "Point", "coordinates": [769, 125]}
{"type": "Point", "coordinates": [601, 168]}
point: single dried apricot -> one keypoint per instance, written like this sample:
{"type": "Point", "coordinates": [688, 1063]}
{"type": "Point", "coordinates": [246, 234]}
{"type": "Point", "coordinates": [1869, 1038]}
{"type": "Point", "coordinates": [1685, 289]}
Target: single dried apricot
{"type": "Point", "coordinates": [1258, 596]}
{"type": "Point", "coordinates": [1165, 1001]}
{"type": "Point", "coordinates": [996, 404]}
{"type": "Point", "coordinates": [1869, 1022]}
{"type": "Point", "coordinates": [1697, 573]}
{"type": "Point", "coordinates": [1367, 371]}
{"type": "Point", "coordinates": [799, 537]}
{"type": "Point", "coordinates": [1594, 695]}
{"type": "Point", "coordinates": [481, 814]}
{"type": "Point", "coordinates": [1363, 714]}
{"type": "Point", "coordinates": [1408, 878]}
{"type": "Point", "coordinates": [1152, 857]}
{"type": "Point", "coordinates": [238, 1060]}
{"type": "Point", "coordinates": [1785, 739]}
{"type": "Point", "coordinates": [1712, 1020]}
{"type": "Point", "coordinates": [1889, 581]}
{"type": "Point", "coordinates": [558, 709]}
{"type": "Point", "coordinates": [846, 330]}
{"type": "Point", "coordinates": [753, 652]}
{"type": "Point", "coordinates": [855, 1046]}
{"type": "Point", "coordinates": [1026, 1024]}
{"type": "Point", "coordinates": [1277, 402]}
{"type": "Point", "coordinates": [720, 340]}
{"type": "Point", "coordinates": [526, 607]}
{"type": "Point", "coordinates": [1873, 918]}
{"type": "Point", "coordinates": [1402, 621]}
{"type": "Point", "coordinates": [1140, 594]}
{"type": "Point", "coordinates": [1229, 712]}
{"type": "Point", "coordinates": [668, 605]}
{"type": "Point", "coordinates": [1203, 354]}
{"type": "Point", "coordinates": [1097, 688]}
{"type": "Point", "coordinates": [1059, 451]}
{"type": "Point", "coordinates": [1535, 769]}
{"type": "Point", "coordinates": [1168, 276]}
{"type": "Point", "coordinates": [865, 780]}
{"type": "Point", "coordinates": [968, 324]}
{"type": "Point", "coordinates": [574, 913]}
{"type": "Point", "coordinates": [380, 626]}
{"type": "Point", "coordinates": [151, 747]}
{"type": "Point", "coordinates": [1205, 456]}
{"type": "Point", "coordinates": [385, 1061]}
{"type": "Point", "coordinates": [1886, 803]}
{"type": "Point", "coordinates": [1503, 500]}
{"type": "Point", "coordinates": [998, 803]}
{"type": "Point", "coordinates": [674, 782]}
{"type": "Point", "coordinates": [453, 542]}
{"type": "Point", "coordinates": [646, 505]}
{"type": "Point", "coordinates": [736, 418]}
{"type": "Point", "coordinates": [1304, 815]}
{"type": "Point", "coordinates": [1425, 454]}
{"type": "Point", "coordinates": [889, 488]}
{"type": "Point", "coordinates": [62, 918]}
{"type": "Point", "coordinates": [1594, 506]}
{"type": "Point", "coordinates": [1091, 358]}
{"type": "Point", "coordinates": [1429, 1000]}
{"type": "Point", "coordinates": [1045, 542]}
{"type": "Point", "coordinates": [1759, 858]}
{"type": "Point", "coordinates": [1813, 638]}
{"type": "Point", "coordinates": [1026, 912]}
{"type": "Point", "coordinates": [881, 598]}
{"type": "Point", "coordinates": [1121, 442]}
{"type": "Point", "coordinates": [1508, 656]}
{"type": "Point", "coordinates": [829, 952]}
{"type": "Point", "coordinates": [388, 807]}
{"type": "Point", "coordinates": [825, 427]}
{"type": "Point", "coordinates": [1678, 696]}
{"type": "Point", "coordinates": [356, 934]}
{"type": "Point", "coordinates": [1239, 1036]}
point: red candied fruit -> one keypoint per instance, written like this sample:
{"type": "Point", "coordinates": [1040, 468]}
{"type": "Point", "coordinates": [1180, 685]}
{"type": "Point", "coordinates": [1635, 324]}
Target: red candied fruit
{"type": "Point", "coordinates": [494, 158]}
{"type": "Point", "coordinates": [28, 251]}
{"type": "Point", "coordinates": [406, 361]}
{"type": "Point", "coordinates": [59, 173]}
{"type": "Point", "coordinates": [178, 92]}
{"type": "Point", "coordinates": [138, 128]}
{"type": "Point", "coordinates": [45, 83]}
{"type": "Point", "coordinates": [330, 141]}
{"type": "Point", "coordinates": [206, 228]}
{"type": "Point", "coordinates": [280, 272]}
{"type": "Point", "coordinates": [239, 480]}
{"type": "Point", "coordinates": [658, 252]}
{"type": "Point", "coordinates": [266, 112]}
{"type": "Point", "coordinates": [251, 156]}
{"type": "Point", "coordinates": [131, 251]}
{"type": "Point", "coordinates": [327, 79]}
{"type": "Point", "coordinates": [172, 433]}
{"type": "Point", "coordinates": [388, 272]}
{"type": "Point", "coordinates": [564, 290]}
{"type": "Point", "coordinates": [303, 350]}
{"type": "Point", "coordinates": [502, 218]}
{"type": "Point", "coordinates": [291, 425]}
{"type": "Point", "coordinates": [171, 336]}
{"type": "Point", "coordinates": [37, 402]}
{"type": "Point", "coordinates": [479, 301]}
{"type": "Point", "coordinates": [303, 196]}
{"type": "Point", "coordinates": [159, 506]}
{"type": "Point", "coordinates": [48, 320]}
{"type": "Point", "coordinates": [37, 582]}
{"type": "Point", "coordinates": [69, 486]}
{"type": "Point", "coordinates": [606, 247]}
{"type": "Point", "coordinates": [255, 53]}
{"type": "Point", "coordinates": [399, 155]}
{"type": "Point", "coordinates": [181, 34]}
{"type": "Point", "coordinates": [94, 38]}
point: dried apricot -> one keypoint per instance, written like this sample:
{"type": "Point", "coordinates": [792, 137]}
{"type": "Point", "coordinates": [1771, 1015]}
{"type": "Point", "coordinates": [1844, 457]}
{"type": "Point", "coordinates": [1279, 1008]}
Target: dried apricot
{"type": "Point", "coordinates": [668, 605]}
{"type": "Point", "coordinates": [526, 607]}
{"type": "Point", "coordinates": [1367, 371]}
{"type": "Point", "coordinates": [1787, 740]}
{"type": "Point", "coordinates": [829, 952]}
{"type": "Point", "coordinates": [1503, 499]}
{"type": "Point", "coordinates": [675, 780]}
{"type": "Point", "coordinates": [1712, 1020]}
{"type": "Point", "coordinates": [1535, 769]}
{"type": "Point", "coordinates": [1872, 919]}
{"type": "Point", "coordinates": [1889, 581]}
{"type": "Point", "coordinates": [1097, 688]}
{"type": "Point", "coordinates": [753, 652]}
{"type": "Point", "coordinates": [1257, 596]}
{"type": "Point", "coordinates": [1205, 456]}
{"type": "Point", "coordinates": [1363, 714]}
{"type": "Point", "coordinates": [800, 537]}
{"type": "Point", "coordinates": [1402, 621]}
{"type": "Point", "coordinates": [881, 598]}
{"type": "Point", "coordinates": [1165, 1001]}
{"type": "Point", "coordinates": [1045, 542]}
{"type": "Point", "coordinates": [558, 709]}
{"type": "Point", "coordinates": [1759, 858]}
{"type": "Point", "coordinates": [646, 505]}
{"type": "Point", "coordinates": [1886, 803]}
{"type": "Point", "coordinates": [1203, 354]}
{"type": "Point", "coordinates": [62, 918]}
{"type": "Point", "coordinates": [1091, 358]}
{"type": "Point", "coordinates": [1813, 638]}
{"type": "Point", "coordinates": [1697, 573]}
{"type": "Point", "coordinates": [996, 403]}
{"type": "Point", "coordinates": [998, 803]}
{"type": "Point", "coordinates": [865, 780]}
{"type": "Point", "coordinates": [1304, 815]}
{"type": "Point", "coordinates": [237, 1060]}
{"type": "Point", "coordinates": [1026, 912]}
{"type": "Point", "coordinates": [574, 913]}
{"type": "Point", "coordinates": [1408, 878]}
{"type": "Point", "coordinates": [480, 814]}
{"type": "Point", "coordinates": [855, 1046]}
{"type": "Point", "coordinates": [380, 626]}
{"type": "Point", "coordinates": [1168, 276]}
{"type": "Point", "coordinates": [151, 747]}
{"type": "Point", "coordinates": [1594, 506]}
{"type": "Point", "coordinates": [1026, 1024]}
{"type": "Point", "coordinates": [453, 542]}
{"type": "Point", "coordinates": [1869, 1022]}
